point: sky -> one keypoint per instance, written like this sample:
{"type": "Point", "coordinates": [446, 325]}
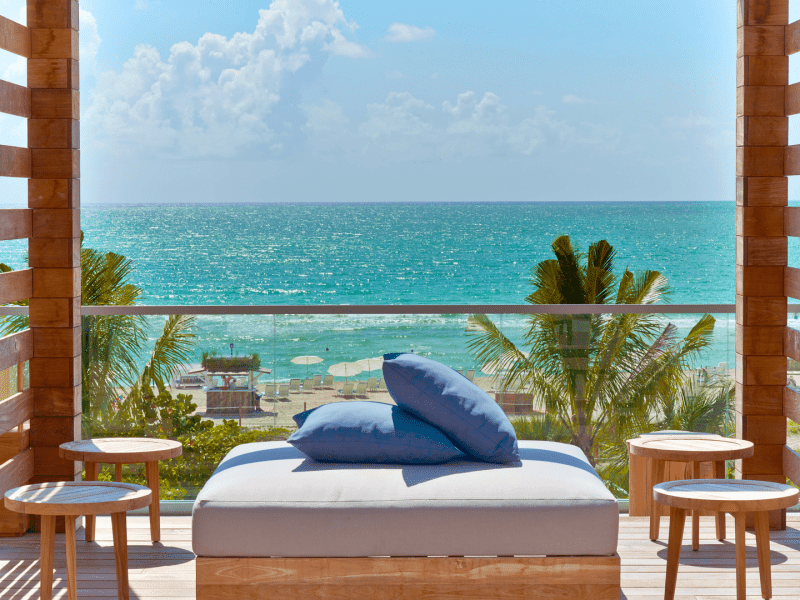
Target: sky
{"type": "Point", "coordinates": [186, 101]}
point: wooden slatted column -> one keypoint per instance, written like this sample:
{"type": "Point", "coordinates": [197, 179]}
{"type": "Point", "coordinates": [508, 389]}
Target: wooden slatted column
{"type": "Point", "coordinates": [54, 200]}
{"type": "Point", "coordinates": [16, 457]}
{"type": "Point", "coordinates": [761, 246]}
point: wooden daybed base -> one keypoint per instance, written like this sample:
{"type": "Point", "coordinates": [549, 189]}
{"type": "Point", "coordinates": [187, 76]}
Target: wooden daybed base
{"type": "Point", "coordinates": [410, 578]}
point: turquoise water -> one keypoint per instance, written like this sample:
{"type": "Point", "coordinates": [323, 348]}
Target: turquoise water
{"type": "Point", "coordinates": [311, 254]}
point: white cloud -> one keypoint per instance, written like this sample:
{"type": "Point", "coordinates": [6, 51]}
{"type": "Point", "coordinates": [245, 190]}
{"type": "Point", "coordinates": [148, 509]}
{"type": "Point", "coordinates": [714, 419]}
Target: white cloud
{"type": "Point", "coordinates": [399, 32]}
{"type": "Point", "coordinates": [401, 113]}
{"type": "Point", "coordinates": [89, 43]}
{"type": "Point", "coordinates": [220, 97]}
{"type": "Point", "coordinates": [574, 99]}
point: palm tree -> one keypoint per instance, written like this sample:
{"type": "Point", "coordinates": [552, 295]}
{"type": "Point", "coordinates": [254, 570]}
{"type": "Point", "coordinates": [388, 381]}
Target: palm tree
{"type": "Point", "coordinates": [600, 376]}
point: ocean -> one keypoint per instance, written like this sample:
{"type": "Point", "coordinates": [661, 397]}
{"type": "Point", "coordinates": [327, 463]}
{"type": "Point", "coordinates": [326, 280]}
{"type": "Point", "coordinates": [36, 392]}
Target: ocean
{"type": "Point", "coordinates": [415, 253]}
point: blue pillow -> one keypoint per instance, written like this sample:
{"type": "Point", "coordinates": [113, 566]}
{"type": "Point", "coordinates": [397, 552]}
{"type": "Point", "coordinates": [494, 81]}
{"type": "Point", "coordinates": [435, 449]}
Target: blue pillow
{"type": "Point", "coordinates": [449, 401]}
{"type": "Point", "coordinates": [369, 432]}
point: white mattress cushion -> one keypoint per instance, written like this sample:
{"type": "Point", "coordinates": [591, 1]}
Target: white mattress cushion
{"type": "Point", "coordinates": [268, 499]}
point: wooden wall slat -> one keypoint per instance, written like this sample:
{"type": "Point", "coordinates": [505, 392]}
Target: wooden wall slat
{"type": "Point", "coordinates": [15, 224]}
{"type": "Point", "coordinates": [792, 99]}
{"type": "Point", "coordinates": [792, 38]}
{"type": "Point", "coordinates": [754, 221]}
{"type": "Point", "coordinates": [791, 282]}
{"type": "Point", "coordinates": [769, 251]}
{"type": "Point", "coordinates": [15, 99]}
{"type": "Point", "coordinates": [16, 286]}
{"type": "Point", "coordinates": [760, 40]}
{"type": "Point", "coordinates": [760, 161]}
{"type": "Point", "coordinates": [791, 404]}
{"type": "Point", "coordinates": [791, 221]}
{"type": "Point", "coordinates": [759, 400]}
{"type": "Point", "coordinates": [791, 163]}
{"type": "Point", "coordinates": [762, 191]}
{"type": "Point", "coordinates": [761, 100]}
{"type": "Point", "coordinates": [15, 162]}
{"type": "Point", "coordinates": [760, 340]}
{"type": "Point", "coordinates": [791, 464]}
{"type": "Point", "coordinates": [15, 410]}
{"type": "Point", "coordinates": [17, 471]}
{"type": "Point", "coordinates": [791, 342]}
{"type": "Point", "coordinates": [15, 38]}
{"type": "Point", "coordinates": [16, 348]}
{"type": "Point", "coordinates": [762, 12]}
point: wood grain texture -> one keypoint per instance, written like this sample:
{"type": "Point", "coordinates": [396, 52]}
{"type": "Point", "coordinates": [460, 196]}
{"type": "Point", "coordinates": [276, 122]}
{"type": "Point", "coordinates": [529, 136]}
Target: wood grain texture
{"type": "Point", "coordinates": [15, 286]}
{"type": "Point", "coordinates": [762, 191]}
{"type": "Point", "coordinates": [63, 43]}
{"type": "Point", "coordinates": [52, 431]}
{"type": "Point", "coordinates": [55, 312]}
{"type": "Point", "coordinates": [762, 131]}
{"type": "Point", "coordinates": [760, 40]}
{"type": "Point", "coordinates": [762, 12]}
{"type": "Point", "coordinates": [15, 223]}
{"type": "Point", "coordinates": [760, 100]}
{"type": "Point", "coordinates": [55, 342]}
{"type": "Point", "coordinates": [53, 133]}
{"type": "Point", "coordinates": [15, 162]}
{"type": "Point", "coordinates": [792, 162]}
{"type": "Point", "coordinates": [760, 370]}
{"type": "Point", "coordinates": [792, 38]}
{"type": "Point", "coordinates": [54, 193]}
{"type": "Point", "coordinates": [55, 223]}
{"type": "Point", "coordinates": [16, 348]}
{"type": "Point", "coordinates": [767, 459]}
{"type": "Point", "coordinates": [759, 220]}
{"type": "Point", "coordinates": [761, 311]}
{"type": "Point", "coordinates": [55, 372]}
{"type": "Point", "coordinates": [57, 402]}
{"type": "Point", "coordinates": [690, 449]}
{"type": "Point", "coordinates": [791, 221]}
{"type": "Point", "coordinates": [54, 252]}
{"type": "Point", "coordinates": [728, 495]}
{"type": "Point", "coordinates": [120, 533]}
{"type": "Point", "coordinates": [14, 442]}
{"type": "Point", "coordinates": [761, 429]}
{"type": "Point", "coordinates": [53, 73]}
{"type": "Point", "coordinates": [121, 450]}
{"type": "Point", "coordinates": [53, 14]}
{"type": "Point", "coordinates": [15, 99]}
{"type": "Point", "coordinates": [55, 104]}
{"type": "Point", "coordinates": [16, 472]}
{"type": "Point", "coordinates": [791, 404]}
{"type": "Point", "coordinates": [750, 70]}
{"type": "Point", "coordinates": [15, 410]}
{"type": "Point", "coordinates": [78, 498]}
{"type": "Point", "coordinates": [791, 342]}
{"type": "Point", "coordinates": [55, 163]}
{"type": "Point", "coordinates": [791, 464]}
{"type": "Point", "coordinates": [762, 251]}
{"type": "Point", "coordinates": [759, 161]}
{"type": "Point", "coordinates": [759, 400]}
{"type": "Point", "coordinates": [408, 578]}
{"type": "Point", "coordinates": [792, 282]}
{"type": "Point", "coordinates": [56, 283]}
{"type": "Point", "coordinates": [759, 340]}
{"type": "Point", "coordinates": [754, 281]}
{"type": "Point", "coordinates": [15, 38]}
{"type": "Point", "coordinates": [48, 463]}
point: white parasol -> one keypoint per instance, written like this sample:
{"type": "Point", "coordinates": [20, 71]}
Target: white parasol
{"type": "Point", "coordinates": [370, 364]}
{"type": "Point", "coordinates": [345, 369]}
{"type": "Point", "coordinates": [306, 360]}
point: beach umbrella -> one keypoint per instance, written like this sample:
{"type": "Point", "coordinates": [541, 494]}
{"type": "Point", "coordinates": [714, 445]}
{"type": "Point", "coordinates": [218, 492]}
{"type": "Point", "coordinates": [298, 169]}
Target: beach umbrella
{"type": "Point", "coordinates": [345, 369]}
{"type": "Point", "coordinates": [370, 364]}
{"type": "Point", "coordinates": [306, 360]}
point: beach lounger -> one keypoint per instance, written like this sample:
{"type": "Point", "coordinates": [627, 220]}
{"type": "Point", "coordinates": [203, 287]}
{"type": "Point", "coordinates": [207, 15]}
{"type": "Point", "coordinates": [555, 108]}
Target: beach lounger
{"type": "Point", "coordinates": [327, 383]}
{"type": "Point", "coordinates": [283, 391]}
{"type": "Point", "coordinates": [361, 389]}
{"type": "Point", "coordinates": [308, 385]}
{"type": "Point", "coordinates": [372, 384]}
{"type": "Point", "coordinates": [470, 374]}
{"type": "Point", "coordinates": [269, 393]}
{"type": "Point", "coordinates": [294, 386]}
{"type": "Point", "coordinates": [317, 382]}
{"type": "Point", "coordinates": [347, 390]}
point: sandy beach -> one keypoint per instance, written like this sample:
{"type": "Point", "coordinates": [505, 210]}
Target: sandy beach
{"type": "Point", "coordinates": [279, 413]}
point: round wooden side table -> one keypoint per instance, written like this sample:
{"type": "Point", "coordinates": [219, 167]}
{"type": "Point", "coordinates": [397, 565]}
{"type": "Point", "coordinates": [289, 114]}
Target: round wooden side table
{"type": "Point", "coordinates": [736, 496]}
{"type": "Point", "coordinates": [690, 449]}
{"type": "Point", "coordinates": [121, 451]}
{"type": "Point", "coordinates": [70, 499]}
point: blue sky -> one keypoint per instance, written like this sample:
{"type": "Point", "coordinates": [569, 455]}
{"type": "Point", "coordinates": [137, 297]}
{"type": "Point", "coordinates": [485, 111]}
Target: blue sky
{"type": "Point", "coordinates": [314, 100]}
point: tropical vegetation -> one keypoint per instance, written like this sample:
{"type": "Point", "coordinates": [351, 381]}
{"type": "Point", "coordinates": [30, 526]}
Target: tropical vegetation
{"type": "Point", "coordinates": [601, 378]}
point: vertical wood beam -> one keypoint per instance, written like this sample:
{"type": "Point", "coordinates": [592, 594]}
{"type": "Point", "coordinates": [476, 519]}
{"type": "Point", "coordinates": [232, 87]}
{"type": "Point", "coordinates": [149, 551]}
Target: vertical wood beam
{"type": "Point", "coordinates": [54, 246]}
{"type": "Point", "coordinates": [761, 243]}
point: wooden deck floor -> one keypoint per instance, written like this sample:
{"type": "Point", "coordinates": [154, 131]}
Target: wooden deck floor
{"type": "Point", "coordinates": [166, 570]}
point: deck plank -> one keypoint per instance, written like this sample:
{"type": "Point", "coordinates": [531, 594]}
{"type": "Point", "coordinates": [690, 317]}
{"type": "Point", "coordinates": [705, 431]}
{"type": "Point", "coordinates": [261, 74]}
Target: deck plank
{"type": "Point", "coordinates": [167, 569]}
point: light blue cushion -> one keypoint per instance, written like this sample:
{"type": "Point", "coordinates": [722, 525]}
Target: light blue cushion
{"type": "Point", "coordinates": [369, 432]}
{"type": "Point", "coordinates": [449, 401]}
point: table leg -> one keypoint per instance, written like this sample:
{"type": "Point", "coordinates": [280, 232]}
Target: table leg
{"type": "Point", "coordinates": [151, 472]}
{"type": "Point", "coordinates": [719, 473]}
{"type": "Point", "coordinates": [741, 555]}
{"type": "Point", "coordinates": [91, 475]}
{"type": "Point", "coordinates": [656, 474]}
{"type": "Point", "coordinates": [120, 533]}
{"type": "Point", "coordinates": [117, 471]}
{"type": "Point", "coordinates": [46, 556]}
{"type": "Point", "coordinates": [695, 512]}
{"type": "Point", "coordinates": [72, 576]}
{"type": "Point", "coordinates": [762, 545]}
{"type": "Point", "coordinates": [677, 519]}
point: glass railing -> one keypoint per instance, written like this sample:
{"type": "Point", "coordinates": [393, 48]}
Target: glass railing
{"type": "Point", "coordinates": [216, 377]}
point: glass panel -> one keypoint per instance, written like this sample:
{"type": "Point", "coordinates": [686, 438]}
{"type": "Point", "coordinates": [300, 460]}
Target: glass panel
{"type": "Point", "coordinates": [626, 372]}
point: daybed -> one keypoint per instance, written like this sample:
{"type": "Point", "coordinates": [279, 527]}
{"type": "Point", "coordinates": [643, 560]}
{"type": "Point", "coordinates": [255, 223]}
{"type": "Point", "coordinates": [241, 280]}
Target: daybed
{"type": "Point", "coordinates": [271, 523]}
